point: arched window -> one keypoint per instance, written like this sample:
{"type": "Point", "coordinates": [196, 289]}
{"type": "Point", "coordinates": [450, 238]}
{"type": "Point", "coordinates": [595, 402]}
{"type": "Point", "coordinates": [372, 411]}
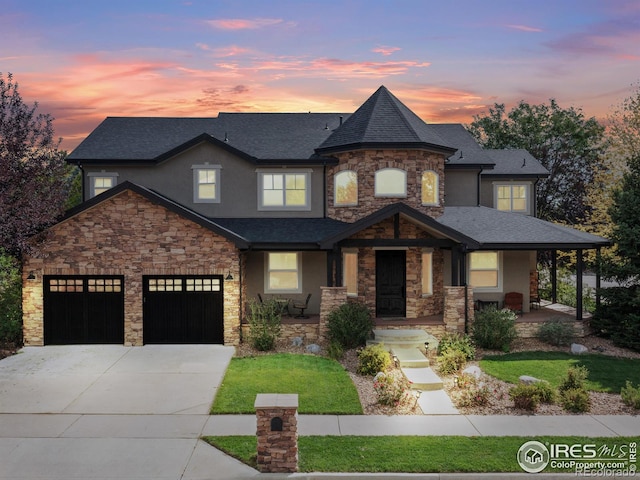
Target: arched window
{"type": "Point", "coordinates": [430, 188]}
{"type": "Point", "coordinates": [346, 188]}
{"type": "Point", "coordinates": [391, 182]}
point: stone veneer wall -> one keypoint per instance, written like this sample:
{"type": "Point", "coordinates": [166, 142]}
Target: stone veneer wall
{"type": "Point", "coordinates": [277, 450]}
{"type": "Point", "coordinates": [454, 308]}
{"type": "Point", "coordinates": [331, 297]}
{"type": "Point", "coordinates": [366, 162]}
{"type": "Point", "coordinates": [291, 329]}
{"type": "Point", "coordinates": [131, 236]}
{"type": "Point", "coordinates": [530, 329]}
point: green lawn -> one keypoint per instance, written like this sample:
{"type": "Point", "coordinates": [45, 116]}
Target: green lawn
{"type": "Point", "coordinates": [606, 374]}
{"type": "Point", "coordinates": [404, 454]}
{"type": "Point", "coordinates": [323, 385]}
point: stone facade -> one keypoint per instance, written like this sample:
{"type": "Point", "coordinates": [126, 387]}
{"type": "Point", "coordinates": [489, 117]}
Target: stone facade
{"type": "Point", "coordinates": [454, 308]}
{"type": "Point", "coordinates": [130, 235]}
{"type": "Point", "coordinates": [331, 298]}
{"type": "Point", "coordinates": [366, 162]}
{"type": "Point", "coordinates": [277, 432]}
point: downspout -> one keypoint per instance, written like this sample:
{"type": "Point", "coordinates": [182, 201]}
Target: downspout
{"type": "Point", "coordinates": [79, 165]}
{"type": "Point", "coordinates": [478, 189]}
{"type": "Point", "coordinates": [466, 308]}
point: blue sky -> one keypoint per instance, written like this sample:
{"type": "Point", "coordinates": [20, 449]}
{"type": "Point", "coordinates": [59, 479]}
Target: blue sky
{"type": "Point", "coordinates": [85, 60]}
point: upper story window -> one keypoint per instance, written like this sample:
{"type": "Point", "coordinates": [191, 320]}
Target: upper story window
{"type": "Point", "coordinates": [485, 273]}
{"type": "Point", "coordinates": [283, 272]}
{"type": "Point", "coordinates": [512, 198]}
{"type": "Point", "coordinates": [391, 182]}
{"type": "Point", "coordinates": [206, 183]}
{"type": "Point", "coordinates": [346, 188]}
{"type": "Point", "coordinates": [430, 188]}
{"type": "Point", "coordinates": [101, 182]}
{"type": "Point", "coordinates": [284, 191]}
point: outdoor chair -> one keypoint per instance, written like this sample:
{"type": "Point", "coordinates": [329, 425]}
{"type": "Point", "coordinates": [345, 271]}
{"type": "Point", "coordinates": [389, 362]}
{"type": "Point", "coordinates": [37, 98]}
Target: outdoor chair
{"type": "Point", "coordinates": [302, 306]}
{"type": "Point", "coordinates": [513, 301]}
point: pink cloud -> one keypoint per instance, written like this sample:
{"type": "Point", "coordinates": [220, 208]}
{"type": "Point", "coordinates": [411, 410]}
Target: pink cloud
{"type": "Point", "coordinates": [525, 28]}
{"type": "Point", "coordinates": [244, 23]}
{"type": "Point", "coordinates": [385, 50]}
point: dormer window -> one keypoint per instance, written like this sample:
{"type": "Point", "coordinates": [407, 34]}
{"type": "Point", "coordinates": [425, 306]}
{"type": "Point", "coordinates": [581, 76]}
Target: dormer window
{"type": "Point", "coordinates": [430, 188]}
{"type": "Point", "coordinates": [511, 198]}
{"type": "Point", "coordinates": [346, 188]}
{"type": "Point", "coordinates": [101, 182]}
{"type": "Point", "coordinates": [391, 182]}
{"type": "Point", "coordinates": [206, 183]}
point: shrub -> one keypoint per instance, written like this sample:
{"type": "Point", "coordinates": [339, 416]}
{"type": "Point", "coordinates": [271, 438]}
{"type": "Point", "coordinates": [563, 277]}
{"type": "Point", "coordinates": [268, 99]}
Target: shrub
{"type": "Point", "coordinates": [631, 395]}
{"type": "Point", "coordinates": [574, 379]}
{"type": "Point", "coordinates": [392, 388]}
{"type": "Point", "coordinates": [335, 351]}
{"type": "Point", "coordinates": [476, 396]}
{"type": "Point", "coordinates": [494, 329]}
{"type": "Point", "coordinates": [451, 362]}
{"type": "Point", "coordinates": [373, 359]}
{"type": "Point", "coordinates": [556, 332]}
{"type": "Point", "coordinates": [264, 324]}
{"type": "Point", "coordinates": [10, 300]}
{"type": "Point", "coordinates": [575, 400]}
{"type": "Point", "coordinates": [456, 341]}
{"type": "Point", "coordinates": [530, 396]}
{"type": "Point", "coordinates": [350, 324]}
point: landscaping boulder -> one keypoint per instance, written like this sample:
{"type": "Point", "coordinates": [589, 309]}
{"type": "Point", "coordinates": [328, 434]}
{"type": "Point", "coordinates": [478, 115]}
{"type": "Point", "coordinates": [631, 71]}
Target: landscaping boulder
{"type": "Point", "coordinates": [578, 349]}
{"type": "Point", "coordinates": [297, 342]}
{"type": "Point", "coordinates": [473, 370]}
{"type": "Point", "coordinates": [313, 348]}
{"type": "Point", "coordinates": [528, 380]}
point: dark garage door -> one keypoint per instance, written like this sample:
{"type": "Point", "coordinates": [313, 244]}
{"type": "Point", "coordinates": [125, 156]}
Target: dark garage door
{"type": "Point", "coordinates": [83, 309]}
{"type": "Point", "coordinates": [183, 309]}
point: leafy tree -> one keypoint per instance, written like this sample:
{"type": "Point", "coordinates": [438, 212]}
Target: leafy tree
{"type": "Point", "coordinates": [618, 316]}
{"type": "Point", "coordinates": [566, 143]}
{"type": "Point", "coordinates": [34, 180]}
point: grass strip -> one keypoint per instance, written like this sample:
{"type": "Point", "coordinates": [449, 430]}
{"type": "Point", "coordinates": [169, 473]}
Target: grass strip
{"type": "Point", "coordinates": [406, 454]}
{"type": "Point", "coordinates": [606, 374]}
{"type": "Point", "coordinates": [322, 384]}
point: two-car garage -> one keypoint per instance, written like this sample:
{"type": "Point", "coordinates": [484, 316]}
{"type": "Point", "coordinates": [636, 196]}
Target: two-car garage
{"type": "Point", "coordinates": [83, 309]}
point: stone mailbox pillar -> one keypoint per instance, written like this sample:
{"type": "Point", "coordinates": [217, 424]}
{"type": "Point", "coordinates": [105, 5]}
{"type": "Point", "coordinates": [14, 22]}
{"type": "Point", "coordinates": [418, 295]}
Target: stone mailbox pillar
{"type": "Point", "coordinates": [277, 432]}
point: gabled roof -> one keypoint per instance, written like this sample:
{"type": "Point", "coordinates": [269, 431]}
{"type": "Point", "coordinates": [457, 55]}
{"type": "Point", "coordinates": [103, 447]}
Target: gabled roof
{"type": "Point", "coordinates": [494, 229]}
{"type": "Point", "coordinates": [384, 120]}
{"type": "Point", "coordinates": [429, 223]}
{"type": "Point", "coordinates": [158, 199]}
{"type": "Point", "coordinates": [514, 163]}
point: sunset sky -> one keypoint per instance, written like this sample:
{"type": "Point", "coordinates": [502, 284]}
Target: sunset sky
{"type": "Point", "coordinates": [84, 60]}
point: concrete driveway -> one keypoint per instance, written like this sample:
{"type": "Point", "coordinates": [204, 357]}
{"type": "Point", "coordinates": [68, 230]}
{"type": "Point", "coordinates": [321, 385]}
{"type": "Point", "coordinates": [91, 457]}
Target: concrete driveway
{"type": "Point", "coordinates": [106, 412]}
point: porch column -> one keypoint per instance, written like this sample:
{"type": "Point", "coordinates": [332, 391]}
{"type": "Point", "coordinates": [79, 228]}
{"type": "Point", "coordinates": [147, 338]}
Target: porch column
{"type": "Point", "coordinates": [554, 276]}
{"type": "Point", "coordinates": [330, 264]}
{"type": "Point", "coordinates": [455, 268]}
{"type": "Point", "coordinates": [579, 284]}
{"type": "Point", "coordinates": [598, 276]}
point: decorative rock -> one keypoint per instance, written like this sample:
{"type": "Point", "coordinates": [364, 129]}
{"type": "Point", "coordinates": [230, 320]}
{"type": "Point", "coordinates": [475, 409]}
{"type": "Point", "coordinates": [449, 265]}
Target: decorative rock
{"type": "Point", "coordinates": [578, 349]}
{"type": "Point", "coordinates": [473, 370]}
{"type": "Point", "coordinates": [297, 342]}
{"type": "Point", "coordinates": [313, 348]}
{"type": "Point", "coordinates": [528, 380]}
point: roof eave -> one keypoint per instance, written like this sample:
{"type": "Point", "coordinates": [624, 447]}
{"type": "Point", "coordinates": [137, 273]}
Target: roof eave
{"type": "Point", "coordinates": [387, 146]}
{"type": "Point", "coordinates": [545, 246]}
{"type": "Point", "coordinates": [514, 175]}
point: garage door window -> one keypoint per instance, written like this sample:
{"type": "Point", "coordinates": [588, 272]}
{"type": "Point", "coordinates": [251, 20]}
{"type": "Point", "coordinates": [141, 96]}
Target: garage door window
{"type": "Point", "coordinates": [203, 284]}
{"type": "Point", "coordinates": [66, 285]}
{"type": "Point", "coordinates": [165, 284]}
{"type": "Point", "coordinates": [104, 285]}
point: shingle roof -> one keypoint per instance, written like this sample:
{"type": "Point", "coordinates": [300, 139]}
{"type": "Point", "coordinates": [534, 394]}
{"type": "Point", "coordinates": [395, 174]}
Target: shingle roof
{"type": "Point", "coordinates": [383, 119]}
{"type": "Point", "coordinates": [469, 152]}
{"type": "Point", "coordinates": [515, 162]}
{"type": "Point", "coordinates": [505, 230]}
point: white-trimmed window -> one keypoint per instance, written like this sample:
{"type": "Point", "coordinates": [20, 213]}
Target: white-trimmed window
{"type": "Point", "coordinates": [346, 188]}
{"type": "Point", "coordinates": [284, 191]}
{"type": "Point", "coordinates": [391, 182]}
{"type": "Point", "coordinates": [427, 272]}
{"type": "Point", "coordinates": [206, 183]}
{"type": "Point", "coordinates": [350, 272]}
{"type": "Point", "coordinates": [512, 198]}
{"type": "Point", "coordinates": [430, 188]}
{"type": "Point", "coordinates": [283, 272]}
{"type": "Point", "coordinates": [485, 272]}
{"type": "Point", "coordinates": [101, 182]}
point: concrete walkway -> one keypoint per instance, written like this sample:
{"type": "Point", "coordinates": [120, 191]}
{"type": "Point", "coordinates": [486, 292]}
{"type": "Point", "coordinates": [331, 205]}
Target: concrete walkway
{"type": "Point", "coordinates": [107, 412]}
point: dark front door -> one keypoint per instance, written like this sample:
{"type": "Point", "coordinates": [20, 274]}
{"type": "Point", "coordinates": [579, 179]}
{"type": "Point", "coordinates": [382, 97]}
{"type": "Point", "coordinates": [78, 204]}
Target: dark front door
{"type": "Point", "coordinates": [183, 309]}
{"type": "Point", "coordinates": [83, 309]}
{"type": "Point", "coordinates": [390, 283]}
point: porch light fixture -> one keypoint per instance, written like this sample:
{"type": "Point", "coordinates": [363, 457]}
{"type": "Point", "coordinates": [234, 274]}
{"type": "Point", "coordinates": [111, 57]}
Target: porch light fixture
{"type": "Point", "coordinates": [32, 275]}
{"type": "Point", "coordinates": [229, 276]}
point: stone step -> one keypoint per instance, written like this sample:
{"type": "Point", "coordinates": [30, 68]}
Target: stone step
{"type": "Point", "coordinates": [423, 378]}
{"type": "Point", "coordinates": [436, 402]}
{"type": "Point", "coordinates": [410, 357]}
{"type": "Point", "coordinates": [404, 339]}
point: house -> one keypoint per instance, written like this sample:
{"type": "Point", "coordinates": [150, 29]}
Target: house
{"type": "Point", "coordinates": [185, 220]}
